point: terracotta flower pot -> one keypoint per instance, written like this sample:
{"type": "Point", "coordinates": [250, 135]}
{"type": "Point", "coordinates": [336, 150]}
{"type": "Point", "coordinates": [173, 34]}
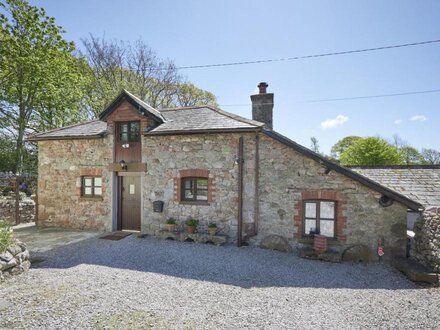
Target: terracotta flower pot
{"type": "Point", "coordinates": [212, 231]}
{"type": "Point", "coordinates": [170, 227]}
{"type": "Point", "coordinates": [190, 229]}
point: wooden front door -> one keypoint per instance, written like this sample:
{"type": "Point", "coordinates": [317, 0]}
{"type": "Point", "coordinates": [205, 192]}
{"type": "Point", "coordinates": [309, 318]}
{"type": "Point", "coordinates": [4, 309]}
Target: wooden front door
{"type": "Point", "coordinates": [130, 195]}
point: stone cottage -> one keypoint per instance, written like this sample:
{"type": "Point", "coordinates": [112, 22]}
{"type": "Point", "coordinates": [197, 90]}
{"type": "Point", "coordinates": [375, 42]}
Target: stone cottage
{"type": "Point", "coordinates": [205, 163]}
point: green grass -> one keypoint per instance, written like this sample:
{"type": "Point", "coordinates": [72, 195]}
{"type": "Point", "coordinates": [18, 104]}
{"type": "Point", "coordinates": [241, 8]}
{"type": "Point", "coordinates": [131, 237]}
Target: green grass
{"type": "Point", "coordinates": [5, 235]}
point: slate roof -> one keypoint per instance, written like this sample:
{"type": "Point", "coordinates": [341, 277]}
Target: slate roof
{"type": "Point", "coordinates": [90, 129]}
{"type": "Point", "coordinates": [200, 119]}
{"type": "Point", "coordinates": [417, 182]}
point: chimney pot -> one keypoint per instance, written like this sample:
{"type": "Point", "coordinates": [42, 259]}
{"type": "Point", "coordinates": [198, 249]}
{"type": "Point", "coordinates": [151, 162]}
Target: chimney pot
{"type": "Point", "coordinates": [262, 106]}
{"type": "Point", "coordinates": [262, 86]}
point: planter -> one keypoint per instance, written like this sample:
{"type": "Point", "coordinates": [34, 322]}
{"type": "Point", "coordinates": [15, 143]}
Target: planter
{"type": "Point", "coordinates": [212, 231]}
{"type": "Point", "coordinates": [190, 229]}
{"type": "Point", "coordinates": [320, 244]}
{"type": "Point", "coordinates": [170, 227]}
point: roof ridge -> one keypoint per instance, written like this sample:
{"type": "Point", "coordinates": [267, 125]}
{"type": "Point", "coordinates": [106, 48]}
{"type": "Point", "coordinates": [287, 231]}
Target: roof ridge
{"type": "Point", "coordinates": [63, 128]}
{"type": "Point", "coordinates": [183, 108]}
{"type": "Point", "coordinates": [406, 166]}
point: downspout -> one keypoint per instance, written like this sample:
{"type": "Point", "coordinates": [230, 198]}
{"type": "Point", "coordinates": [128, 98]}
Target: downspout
{"type": "Point", "coordinates": [240, 162]}
{"type": "Point", "coordinates": [256, 187]}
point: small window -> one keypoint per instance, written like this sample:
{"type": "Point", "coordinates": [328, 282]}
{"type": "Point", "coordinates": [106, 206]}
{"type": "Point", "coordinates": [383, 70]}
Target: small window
{"type": "Point", "coordinates": [319, 216]}
{"type": "Point", "coordinates": [129, 132]}
{"type": "Point", "coordinates": [91, 186]}
{"type": "Point", "coordinates": [195, 189]}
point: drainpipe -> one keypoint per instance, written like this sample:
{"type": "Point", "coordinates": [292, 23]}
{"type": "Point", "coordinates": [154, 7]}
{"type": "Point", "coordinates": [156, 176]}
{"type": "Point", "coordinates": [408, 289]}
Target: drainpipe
{"type": "Point", "coordinates": [257, 185]}
{"type": "Point", "coordinates": [240, 162]}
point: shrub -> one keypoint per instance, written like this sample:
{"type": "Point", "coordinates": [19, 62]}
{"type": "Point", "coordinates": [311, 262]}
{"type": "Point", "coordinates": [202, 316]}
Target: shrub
{"type": "Point", "coordinates": [5, 235]}
{"type": "Point", "coordinates": [171, 221]}
{"type": "Point", "coordinates": [192, 222]}
{"type": "Point", "coordinates": [212, 225]}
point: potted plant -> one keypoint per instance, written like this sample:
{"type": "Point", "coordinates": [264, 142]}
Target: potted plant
{"type": "Point", "coordinates": [191, 225]}
{"type": "Point", "coordinates": [170, 224]}
{"type": "Point", "coordinates": [212, 228]}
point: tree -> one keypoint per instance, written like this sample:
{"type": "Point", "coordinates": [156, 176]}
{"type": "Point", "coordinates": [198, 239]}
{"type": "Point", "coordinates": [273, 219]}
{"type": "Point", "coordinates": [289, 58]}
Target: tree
{"type": "Point", "coordinates": [343, 145]}
{"type": "Point", "coordinates": [40, 80]}
{"type": "Point", "coordinates": [120, 65]}
{"type": "Point", "coordinates": [431, 156]}
{"type": "Point", "coordinates": [371, 151]}
{"type": "Point", "coordinates": [410, 155]}
{"type": "Point", "coordinates": [314, 144]}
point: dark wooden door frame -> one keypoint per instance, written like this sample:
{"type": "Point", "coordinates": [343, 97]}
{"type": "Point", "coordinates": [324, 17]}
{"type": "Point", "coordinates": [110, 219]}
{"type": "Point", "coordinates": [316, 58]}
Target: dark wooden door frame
{"type": "Point", "coordinates": [120, 177]}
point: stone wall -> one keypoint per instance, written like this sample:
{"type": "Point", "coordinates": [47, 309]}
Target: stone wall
{"type": "Point", "coordinates": [426, 243]}
{"type": "Point", "coordinates": [60, 166]}
{"type": "Point", "coordinates": [287, 177]}
{"type": "Point", "coordinates": [14, 260]}
{"type": "Point", "coordinates": [26, 209]}
{"type": "Point", "coordinates": [168, 157]}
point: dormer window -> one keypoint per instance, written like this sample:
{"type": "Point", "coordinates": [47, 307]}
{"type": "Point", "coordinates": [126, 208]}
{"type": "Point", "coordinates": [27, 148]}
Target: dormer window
{"type": "Point", "coordinates": [129, 132]}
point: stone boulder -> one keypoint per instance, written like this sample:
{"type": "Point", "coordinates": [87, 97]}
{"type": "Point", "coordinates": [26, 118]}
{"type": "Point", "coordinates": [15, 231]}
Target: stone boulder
{"type": "Point", "coordinates": [358, 253]}
{"type": "Point", "coordinates": [276, 242]}
{"type": "Point", "coordinates": [14, 260]}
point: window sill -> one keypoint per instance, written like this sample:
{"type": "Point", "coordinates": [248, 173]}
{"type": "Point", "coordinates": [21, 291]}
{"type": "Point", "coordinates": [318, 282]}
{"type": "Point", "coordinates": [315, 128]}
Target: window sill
{"type": "Point", "coordinates": [91, 199]}
{"type": "Point", "coordinates": [194, 203]}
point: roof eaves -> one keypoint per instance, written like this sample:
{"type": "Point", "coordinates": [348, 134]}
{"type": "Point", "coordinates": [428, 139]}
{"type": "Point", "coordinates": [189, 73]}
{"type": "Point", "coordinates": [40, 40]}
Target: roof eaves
{"type": "Point", "coordinates": [36, 136]}
{"type": "Point", "coordinates": [344, 171]}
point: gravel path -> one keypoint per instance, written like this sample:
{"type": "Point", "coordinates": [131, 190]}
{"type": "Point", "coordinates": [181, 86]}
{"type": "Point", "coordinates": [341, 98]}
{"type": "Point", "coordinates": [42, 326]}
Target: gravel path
{"type": "Point", "coordinates": [143, 283]}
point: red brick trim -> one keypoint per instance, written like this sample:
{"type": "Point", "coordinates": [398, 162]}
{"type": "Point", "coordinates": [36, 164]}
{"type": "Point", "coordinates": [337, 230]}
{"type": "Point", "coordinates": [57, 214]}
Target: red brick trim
{"type": "Point", "coordinates": [341, 219]}
{"type": "Point", "coordinates": [90, 171]}
{"type": "Point", "coordinates": [198, 173]}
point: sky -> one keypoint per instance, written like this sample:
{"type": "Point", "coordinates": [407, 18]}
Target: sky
{"type": "Point", "coordinates": [209, 32]}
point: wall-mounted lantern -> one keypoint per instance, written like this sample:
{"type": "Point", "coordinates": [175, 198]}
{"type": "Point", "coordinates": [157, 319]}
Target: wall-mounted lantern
{"type": "Point", "coordinates": [123, 164]}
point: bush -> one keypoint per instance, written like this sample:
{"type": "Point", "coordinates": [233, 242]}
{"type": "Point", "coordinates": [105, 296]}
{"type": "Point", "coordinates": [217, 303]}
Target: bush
{"type": "Point", "coordinates": [212, 225]}
{"type": "Point", "coordinates": [171, 221]}
{"type": "Point", "coordinates": [192, 222]}
{"type": "Point", "coordinates": [5, 235]}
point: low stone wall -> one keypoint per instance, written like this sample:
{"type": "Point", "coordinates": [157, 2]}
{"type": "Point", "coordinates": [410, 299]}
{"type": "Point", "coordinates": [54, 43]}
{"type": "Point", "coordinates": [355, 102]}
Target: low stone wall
{"type": "Point", "coordinates": [426, 243]}
{"type": "Point", "coordinates": [7, 209]}
{"type": "Point", "coordinates": [14, 260]}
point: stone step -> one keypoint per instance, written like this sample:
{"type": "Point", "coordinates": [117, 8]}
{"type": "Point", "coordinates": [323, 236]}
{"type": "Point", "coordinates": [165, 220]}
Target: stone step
{"type": "Point", "coordinates": [415, 271]}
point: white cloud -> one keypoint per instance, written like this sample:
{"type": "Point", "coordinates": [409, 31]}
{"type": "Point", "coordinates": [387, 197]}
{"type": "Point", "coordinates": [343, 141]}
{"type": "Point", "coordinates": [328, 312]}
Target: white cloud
{"type": "Point", "coordinates": [332, 123]}
{"type": "Point", "coordinates": [418, 118]}
{"type": "Point", "coordinates": [398, 121]}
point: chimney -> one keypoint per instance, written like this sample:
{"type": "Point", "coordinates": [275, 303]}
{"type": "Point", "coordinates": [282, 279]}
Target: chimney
{"type": "Point", "coordinates": [262, 106]}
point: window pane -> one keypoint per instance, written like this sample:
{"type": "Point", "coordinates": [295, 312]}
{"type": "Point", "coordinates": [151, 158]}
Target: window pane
{"type": "Point", "coordinates": [310, 210]}
{"type": "Point", "coordinates": [202, 184]}
{"type": "Point", "coordinates": [134, 128]}
{"type": "Point", "coordinates": [327, 210]}
{"type": "Point", "coordinates": [309, 225]}
{"type": "Point", "coordinates": [124, 137]}
{"type": "Point", "coordinates": [327, 228]}
{"type": "Point", "coordinates": [188, 184]}
{"type": "Point", "coordinates": [202, 195]}
{"type": "Point", "coordinates": [98, 191]}
{"type": "Point", "coordinates": [98, 182]}
{"type": "Point", "coordinates": [88, 182]}
{"type": "Point", "coordinates": [123, 128]}
{"type": "Point", "coordinates": [188, 194]}
{"type": "Point", "coordinates": [87, 191]}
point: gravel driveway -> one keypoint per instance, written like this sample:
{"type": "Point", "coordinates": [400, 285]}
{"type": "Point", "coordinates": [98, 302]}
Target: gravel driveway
{"type": "Point", "coordinates": [148, 283]}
